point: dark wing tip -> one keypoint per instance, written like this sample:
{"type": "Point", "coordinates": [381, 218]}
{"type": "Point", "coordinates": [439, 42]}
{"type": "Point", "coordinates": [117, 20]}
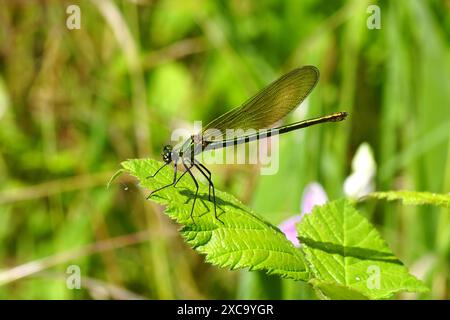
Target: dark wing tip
{"type": "Point", "coordinates": [310, 68]}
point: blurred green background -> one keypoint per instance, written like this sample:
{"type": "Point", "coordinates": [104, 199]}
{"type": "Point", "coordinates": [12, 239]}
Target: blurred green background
{"type": "Point", "coordinates": [75, 103]}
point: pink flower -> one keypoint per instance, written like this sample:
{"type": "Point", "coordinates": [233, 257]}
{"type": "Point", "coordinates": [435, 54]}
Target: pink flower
{"type": "Point", "coordinates": [289, 230]}
{"type": "Point", "coordinates": [313, 195]}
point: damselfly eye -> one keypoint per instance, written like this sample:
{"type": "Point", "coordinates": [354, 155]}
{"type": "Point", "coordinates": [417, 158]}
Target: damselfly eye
{"type": "Point", "coordinates": [167, 149]}
{"type": "Point", "coordinates": [167, 154]}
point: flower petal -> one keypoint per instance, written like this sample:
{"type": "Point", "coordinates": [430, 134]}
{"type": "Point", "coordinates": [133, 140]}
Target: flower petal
{"type": "Point", "coordinates": [289, 229]}
{"type": "Point", "coordinates": [313, 195]}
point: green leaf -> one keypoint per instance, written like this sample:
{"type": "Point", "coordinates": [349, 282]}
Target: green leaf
{"type": "Point", "coordinates": [342, 247]}
{"type": "Point", "coordinates": [327, 290]}
{"type": "Point", "coordinates": [413, 197]}
{"type": "Point", "coordinates": [243, 240]}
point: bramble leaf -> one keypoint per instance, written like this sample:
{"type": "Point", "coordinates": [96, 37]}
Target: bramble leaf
{"type": "Point", "coordinates": [348, 257]}
{"type": "Point", "coordinates": [330, 290]}
{"type": "Point", "coordinates": [414, 197]}
{"type": "Point", "coordinates": [243, 240]}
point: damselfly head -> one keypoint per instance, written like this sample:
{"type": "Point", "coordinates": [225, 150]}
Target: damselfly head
{"type": "Point", "coordinates": [167, 154]}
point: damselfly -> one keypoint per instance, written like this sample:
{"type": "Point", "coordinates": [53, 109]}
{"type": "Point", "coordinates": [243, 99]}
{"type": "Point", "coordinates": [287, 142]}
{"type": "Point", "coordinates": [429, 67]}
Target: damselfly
{"type": "Point", "coordinates": [261, 111]}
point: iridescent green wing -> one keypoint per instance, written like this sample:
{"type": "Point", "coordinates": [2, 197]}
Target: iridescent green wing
{"type": "Point", "coordinates": [268, 106]}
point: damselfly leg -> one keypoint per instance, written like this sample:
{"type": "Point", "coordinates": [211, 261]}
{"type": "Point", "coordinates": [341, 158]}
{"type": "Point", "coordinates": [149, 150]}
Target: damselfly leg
{"type": "Point", "coordinates": [179, 178]}
{"type": "Point", "coordinates": [188, 170]}
{"type": "Point", "coordinates": [200, 167]}
{"type": "Point", "coordinates": [170, 184]}
{"type": "Point", "coordinates": [153, 175]}
{"type": "Point", "coordinates": [211, 185]}
{"type": "Point", "coordinates": [207, 174]}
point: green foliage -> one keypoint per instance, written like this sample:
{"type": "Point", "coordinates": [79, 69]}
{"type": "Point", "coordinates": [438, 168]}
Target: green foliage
{"type": "Point", "coordinates": [243, 240]}
{"type": "Point", "coordinates": [340, 246]}
{"type": "Point", "coordinates": [331, 290]}
{"type": "Point", "coordinates": [414, 198]}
